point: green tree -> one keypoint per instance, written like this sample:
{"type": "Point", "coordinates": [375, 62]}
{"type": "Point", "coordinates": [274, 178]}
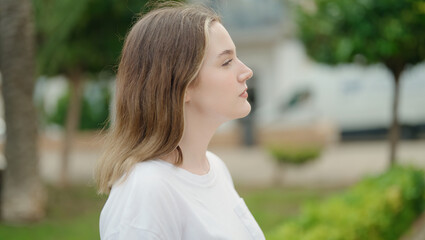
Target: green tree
{"type": "Point", "coordinates": [77, 38]}
{"type": "Point", "coordinates": [389, 31]}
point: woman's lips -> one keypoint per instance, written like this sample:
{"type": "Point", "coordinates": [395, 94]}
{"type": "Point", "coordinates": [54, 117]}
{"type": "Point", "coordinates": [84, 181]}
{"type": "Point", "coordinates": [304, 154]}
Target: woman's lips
{"type": "Point", "coordinates": [244, 94]}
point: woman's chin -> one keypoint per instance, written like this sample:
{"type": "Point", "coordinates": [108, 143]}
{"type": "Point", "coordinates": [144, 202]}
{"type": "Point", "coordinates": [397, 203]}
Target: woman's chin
{"type": "Point", "coordinates": [244, 111]}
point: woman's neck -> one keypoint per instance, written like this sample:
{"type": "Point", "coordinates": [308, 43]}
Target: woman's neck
{"type": "Point", "coordinates": [194, 144]}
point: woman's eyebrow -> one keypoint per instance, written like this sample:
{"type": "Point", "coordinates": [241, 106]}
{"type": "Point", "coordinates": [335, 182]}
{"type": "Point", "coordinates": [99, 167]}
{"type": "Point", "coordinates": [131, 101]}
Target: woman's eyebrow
{"type": "Point", "coordinates": [226, 52]}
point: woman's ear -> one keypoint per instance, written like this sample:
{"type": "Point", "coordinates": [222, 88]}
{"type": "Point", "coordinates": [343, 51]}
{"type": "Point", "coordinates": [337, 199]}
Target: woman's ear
{"type": "Point", "coordinates": [190, 91]}
{"type": "Point", "coordinates": [187, 96]}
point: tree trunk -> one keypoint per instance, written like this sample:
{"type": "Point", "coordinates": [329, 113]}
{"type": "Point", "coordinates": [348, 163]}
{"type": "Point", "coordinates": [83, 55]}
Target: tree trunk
{"type": "Point", "coordinates": [72, 123]}
{"type": "Point", "coordinates": [23, 196]}
{"type": "Point", "coordinates": [394, 131]}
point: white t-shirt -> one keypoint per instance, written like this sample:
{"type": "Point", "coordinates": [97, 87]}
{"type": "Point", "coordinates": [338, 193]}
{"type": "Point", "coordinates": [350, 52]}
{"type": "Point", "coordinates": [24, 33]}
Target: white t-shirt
{"type": "Point", "coordinates": [163, 202]}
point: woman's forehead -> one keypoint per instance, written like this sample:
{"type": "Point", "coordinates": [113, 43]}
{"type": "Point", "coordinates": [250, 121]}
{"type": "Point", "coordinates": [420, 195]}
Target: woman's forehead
{"type": "Point", "coordinates": [220, 43]}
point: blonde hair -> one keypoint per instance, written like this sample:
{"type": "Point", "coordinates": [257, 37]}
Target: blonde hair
{"type": "Point", "coordinates": [162, 54]}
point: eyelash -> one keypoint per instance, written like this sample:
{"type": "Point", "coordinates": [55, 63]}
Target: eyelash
{"type": "Point", "coordinates": [227, 63]}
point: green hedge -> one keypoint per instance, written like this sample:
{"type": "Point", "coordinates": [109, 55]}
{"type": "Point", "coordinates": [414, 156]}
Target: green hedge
{"type": "Point", "coordinates": [294, 154]}
{"type": "Point", "coordinates": [377, 208]}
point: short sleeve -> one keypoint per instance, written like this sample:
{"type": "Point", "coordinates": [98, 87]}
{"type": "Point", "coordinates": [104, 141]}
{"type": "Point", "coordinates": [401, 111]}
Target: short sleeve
{"type": "Point", "coordinates": [152, 208]}
{"type": "Point", "coordinates": [132, 233]}
{"type": "Point", "coordinates": [142, 207]}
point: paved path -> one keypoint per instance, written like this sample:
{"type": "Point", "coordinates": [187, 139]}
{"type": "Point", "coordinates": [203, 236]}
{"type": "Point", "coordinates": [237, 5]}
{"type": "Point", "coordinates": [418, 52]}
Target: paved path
{"type": "Point", "coordinates": [340, 164]}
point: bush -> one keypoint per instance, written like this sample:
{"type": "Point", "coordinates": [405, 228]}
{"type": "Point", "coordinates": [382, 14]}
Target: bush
{"type": "Point", "coordinates": [294, 154]}
{"type": "Point", "coordinates": [378, 208]}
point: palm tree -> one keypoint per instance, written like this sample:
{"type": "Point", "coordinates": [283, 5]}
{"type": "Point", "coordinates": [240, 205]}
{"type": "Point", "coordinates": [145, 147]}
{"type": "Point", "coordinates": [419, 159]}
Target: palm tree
{"type": "Point", "coordinates": [23, 196]}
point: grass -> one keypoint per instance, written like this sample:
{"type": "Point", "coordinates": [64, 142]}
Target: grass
{"type": "Point", "coordinates": [71, 214]}
{"type": "Point", "coordinates": [74, 213]}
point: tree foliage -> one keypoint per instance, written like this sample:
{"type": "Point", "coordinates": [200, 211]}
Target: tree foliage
{"type": "Point", "coordinates": [388, 31]}
{"type": "Point", "coordinates": [84, 35]}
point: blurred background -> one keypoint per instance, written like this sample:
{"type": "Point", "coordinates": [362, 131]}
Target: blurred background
{"type": "Point", "coordinates": [334, 147]}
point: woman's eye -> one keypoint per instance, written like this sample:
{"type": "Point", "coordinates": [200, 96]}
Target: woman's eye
{"type": "Point", "coordinates": [227, 62]}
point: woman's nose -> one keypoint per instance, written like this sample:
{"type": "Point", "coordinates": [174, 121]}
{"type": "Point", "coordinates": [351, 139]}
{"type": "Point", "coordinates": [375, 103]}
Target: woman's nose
{"type": "Point", "coordinates": [246, 74]}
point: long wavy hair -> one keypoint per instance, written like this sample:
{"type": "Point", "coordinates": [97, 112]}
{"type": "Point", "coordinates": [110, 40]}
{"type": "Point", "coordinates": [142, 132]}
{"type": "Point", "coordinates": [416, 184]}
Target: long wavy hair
{"type": "Point", "coordinates": [162, 55]}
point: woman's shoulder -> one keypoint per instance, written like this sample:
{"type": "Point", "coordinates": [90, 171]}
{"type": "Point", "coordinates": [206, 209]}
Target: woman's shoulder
{"type": "Point", "coordinates": [220, 165]}
{"type": "Point", "coordinates": [142, 177]}
{"type": "Point", "coordinates": [138, 200]}
{"type": "Point", "coordinates": [212, 157]}
{"type": "Point", "coordinates": [149, 169]}
{"type": "Point", "coordinates": [215, 159]}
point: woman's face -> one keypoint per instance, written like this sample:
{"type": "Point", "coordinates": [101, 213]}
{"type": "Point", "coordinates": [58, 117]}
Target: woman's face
{"type": "Point", "coordinates": [220, 91]}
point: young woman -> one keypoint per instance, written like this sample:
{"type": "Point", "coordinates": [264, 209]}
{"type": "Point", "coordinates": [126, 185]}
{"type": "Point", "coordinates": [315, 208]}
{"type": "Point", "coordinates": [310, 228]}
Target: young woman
{"type": "Point", "coordinates": [178, 80]}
